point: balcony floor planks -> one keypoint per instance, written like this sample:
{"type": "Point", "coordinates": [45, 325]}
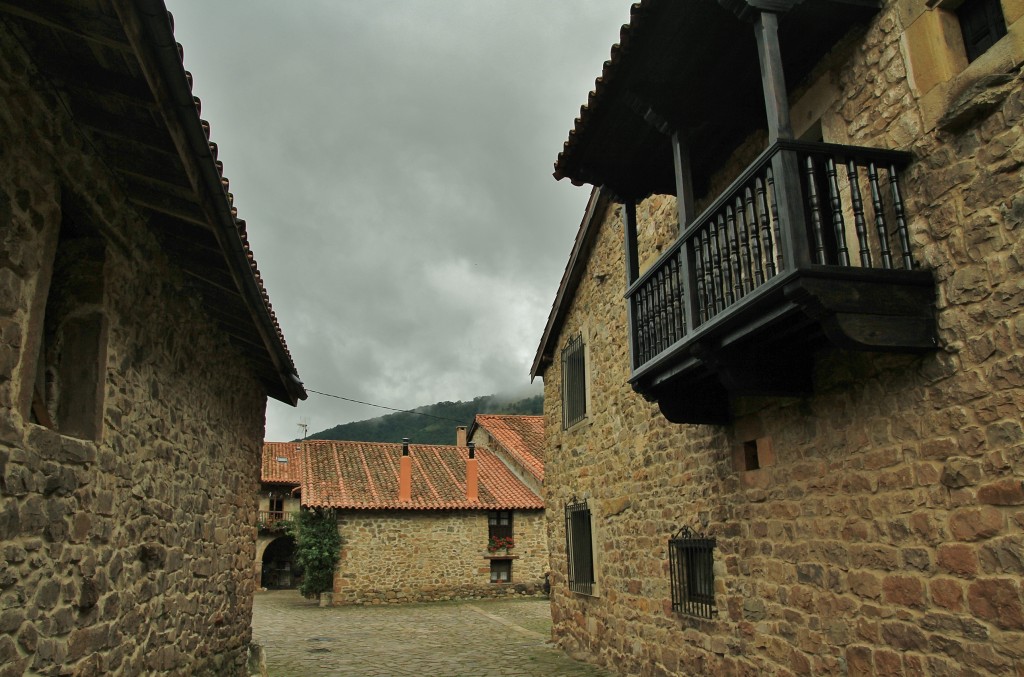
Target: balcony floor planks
{"type": "Point", "coordinates": [765, 344]}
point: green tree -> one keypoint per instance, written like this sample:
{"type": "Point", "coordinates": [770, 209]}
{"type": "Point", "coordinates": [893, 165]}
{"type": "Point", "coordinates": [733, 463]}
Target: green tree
{"type": "Point", "coordinates": [317, 549]}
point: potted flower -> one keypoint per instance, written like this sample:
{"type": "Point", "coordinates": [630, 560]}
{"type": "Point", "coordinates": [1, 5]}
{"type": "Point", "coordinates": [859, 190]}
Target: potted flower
{"type": "Point", "coordinates": [498, 543]}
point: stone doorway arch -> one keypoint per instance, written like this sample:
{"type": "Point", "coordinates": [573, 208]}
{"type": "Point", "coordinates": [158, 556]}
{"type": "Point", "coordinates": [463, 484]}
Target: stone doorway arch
{"type": "Point", "coordinates": [277, 568]}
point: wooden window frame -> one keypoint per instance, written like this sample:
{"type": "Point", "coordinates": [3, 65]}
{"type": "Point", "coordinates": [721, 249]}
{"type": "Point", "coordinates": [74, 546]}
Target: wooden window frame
{"type": "Point", "coordinates": [500, 565]}
{"type": "Point", "coordinates": [982, 24]}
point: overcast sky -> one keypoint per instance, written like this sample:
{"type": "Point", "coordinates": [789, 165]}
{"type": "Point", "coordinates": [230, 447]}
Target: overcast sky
{"type": "Point", "coordinates": [392, 160]}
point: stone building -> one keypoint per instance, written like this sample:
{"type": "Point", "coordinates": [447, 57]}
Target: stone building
{"type": "Point", "coordinates": [795, 447]}
{"type": "Point", "coordinates": [417, 521]}
{"type": "Point", "coordinates": [137, 351]}
{"type": "Point", "coordinates": [279, 500]}
{"type": "Point", "coordinates": [517, 440]}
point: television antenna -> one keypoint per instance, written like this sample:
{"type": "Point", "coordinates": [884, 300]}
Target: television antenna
{"type": "Point", "coordinates": [303, 427]}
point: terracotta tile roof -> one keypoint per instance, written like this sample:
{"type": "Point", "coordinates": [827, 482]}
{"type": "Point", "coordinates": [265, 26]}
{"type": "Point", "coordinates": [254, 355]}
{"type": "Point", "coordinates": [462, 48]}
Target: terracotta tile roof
{"type": "Point", "coordinates": [522, 438]}
{"type": "Point", "coordinates": [364, 475]}
{"type": "Point", "coordinates": [275, 470]}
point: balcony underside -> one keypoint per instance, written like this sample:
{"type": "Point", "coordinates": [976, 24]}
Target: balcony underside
{"type": "Point", "coordinates": [764, 345]}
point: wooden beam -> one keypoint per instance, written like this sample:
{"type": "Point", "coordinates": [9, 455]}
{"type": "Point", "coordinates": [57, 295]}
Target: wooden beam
{"type": "Point", "coordinates": [632, 273]}
{"type": "Point", "coordinates": [773, 80]}
{"type": "Point", "coordinates": [197, 236]}
{"type": "Point", "coordinates": [92, 26]}
{"type": "Point", "coordinates": [685, 205]}
{"type": "Point", "coordinates": [121, 129]}
{"type": "Point", "coordinates": [157, 201]}
{"type": "Point", "coordinates": [85, 79]}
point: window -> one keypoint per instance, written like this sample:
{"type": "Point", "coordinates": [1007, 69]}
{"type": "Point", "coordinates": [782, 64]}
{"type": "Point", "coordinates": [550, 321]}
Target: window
{"type": "Point", "coordinates": [982, 24]}
{"type": "Point", "coordinates": [574, 382]}
{"type": "Point", "coordinates": [501, 571]}
{"type": "Point", "coordinates": [579, 548]}
{"type": "Point", "coordinates": [691, 566]}
{"type": "Point", "coordinates": [499, 524]}
{"type": "Point", "coordinates": [70, 366]}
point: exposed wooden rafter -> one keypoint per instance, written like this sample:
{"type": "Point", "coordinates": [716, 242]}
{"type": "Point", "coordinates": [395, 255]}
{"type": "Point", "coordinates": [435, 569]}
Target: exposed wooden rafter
{"type": "Point", "coordinates": [60, 16]}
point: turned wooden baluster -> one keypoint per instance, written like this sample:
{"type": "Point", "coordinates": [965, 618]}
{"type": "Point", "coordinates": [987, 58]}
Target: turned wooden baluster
{"type": "Point", "coordinates": [642, 324]}
{"type": "Point", "coordinates": [766, 228]}
{"type": "Point", "coordinates": [734, 253]}
{"type": "Point", "coordinates": [711, 307]}
{"type": "Point", "coordinates": [901, 222]}
{"type": "Point", "coordinates": [815, 202]}
{"type": "Point", "coordinates": [876, 204]}
{"type": "Point", "coordinates": [750, 216]}
{"type": "Point", "coordinates": [743, 224]}
{"type": "Point", "coordinates": [838, 224]}
{"type": "Point", "coordinates": [699, 266]}
{"type": "Point", "coordinates": [663, 319]}
{"type": "Point", "coordinates": [861, 226]}
{"type": "Point", "coordinates": [770, 175]}
{"type": "Point", "coordinates": [638, 328]}
{"type": "Point", "coordinates": [726, 268]}
{"type": "Point", "coordinates": [678, 290]}
{"type": "Point", "coordinates": [716, 268]}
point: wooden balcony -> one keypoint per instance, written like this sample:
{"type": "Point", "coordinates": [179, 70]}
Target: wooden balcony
{"type": "Point", "coordinates": [274, 519]}
{"type": "Point", "coordinates": [807, 248]}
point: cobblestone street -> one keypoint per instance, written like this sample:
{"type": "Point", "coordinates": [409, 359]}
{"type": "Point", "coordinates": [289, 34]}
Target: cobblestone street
{"type": "Point", "coordinates": [479, 638]}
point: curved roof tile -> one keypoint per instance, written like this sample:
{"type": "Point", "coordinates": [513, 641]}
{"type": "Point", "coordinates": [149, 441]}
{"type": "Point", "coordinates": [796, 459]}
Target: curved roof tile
{"type": "Point", "coordinates": [364, 475]}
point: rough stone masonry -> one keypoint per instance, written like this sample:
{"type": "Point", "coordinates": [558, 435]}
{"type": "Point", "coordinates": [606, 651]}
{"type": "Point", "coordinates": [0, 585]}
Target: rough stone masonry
{"type": "Point", "coordinates": [126, 542]}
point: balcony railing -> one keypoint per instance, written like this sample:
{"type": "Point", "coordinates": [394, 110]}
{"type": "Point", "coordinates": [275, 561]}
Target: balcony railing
{"type": "Point", "coordinates": [274, 519]}
{"type": "Point", "coordinates": [829, 213]}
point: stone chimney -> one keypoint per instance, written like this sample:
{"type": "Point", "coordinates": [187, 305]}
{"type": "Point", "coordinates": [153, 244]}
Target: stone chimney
{"type": "Point", "coordinates": [460, 436]}
{"type": "Point", "coordinates": [405, 473]}
{"type": "Point", "coordinates": [472, 475]}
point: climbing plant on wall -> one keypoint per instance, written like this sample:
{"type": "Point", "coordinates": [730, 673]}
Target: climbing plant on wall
{"type": "Point", "coordinates": [317, 549]}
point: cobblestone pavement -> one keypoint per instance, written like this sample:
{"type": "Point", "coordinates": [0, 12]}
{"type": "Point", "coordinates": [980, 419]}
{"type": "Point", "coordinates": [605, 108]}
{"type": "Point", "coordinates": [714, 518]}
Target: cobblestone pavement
{"type": "Point", "coordinates": [478, 638]}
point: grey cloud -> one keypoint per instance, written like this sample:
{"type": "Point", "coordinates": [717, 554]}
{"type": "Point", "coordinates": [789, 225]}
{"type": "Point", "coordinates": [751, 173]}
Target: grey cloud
{"type": "Point", "coordinates": [393, 162]}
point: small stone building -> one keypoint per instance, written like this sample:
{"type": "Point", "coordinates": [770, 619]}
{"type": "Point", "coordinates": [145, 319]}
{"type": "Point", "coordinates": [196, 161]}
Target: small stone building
{"type": "Point", "coordinates": [517, 440]}
{"type": "Point", "coordinates": [137, 352]}
{"type": "Point", "coordinates": [279, 502]}
{"type": "Point", "coordinates": [783, 370]}
{"type": "Point", "coordinates": [416, 521]}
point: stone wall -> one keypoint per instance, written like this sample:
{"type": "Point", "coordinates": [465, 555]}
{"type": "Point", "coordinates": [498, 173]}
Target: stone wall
{"type": "Point", "coordinates": [126, 546]}
{"type": "Point", "coordinates": [414, 556]}
{"type": "Point", "coordinates": [884, 532]}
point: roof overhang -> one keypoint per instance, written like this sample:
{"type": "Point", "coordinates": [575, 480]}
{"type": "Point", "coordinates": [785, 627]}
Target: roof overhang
{"type": "Point", "coordinates": [691, 66]}
{"type": "Point", "coordinates": [118, 70]}
{"type": "Point", "coordinates": [596, 207]}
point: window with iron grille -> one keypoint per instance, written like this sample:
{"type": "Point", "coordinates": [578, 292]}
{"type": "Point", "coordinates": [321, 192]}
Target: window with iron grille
{"type": "Point", "coordinates": [691, 559]}
{"type": "Point", "coordinates": [579, 547]}
{"type": "Point", "coordinates": [574, 382]}
{"type": "Point", "coordinates": [982, 24]}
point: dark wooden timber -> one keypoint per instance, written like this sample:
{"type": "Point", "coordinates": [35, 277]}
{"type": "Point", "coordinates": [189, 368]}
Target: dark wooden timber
{"type": "Point", "coordinates": [632, 271]}
{"type": "Point", "coordinates": [685, 207]}
{"type": "Point", "coordinates": [113, 66]}
{"type": "Point", "coordinates": [755, 335]}
{"type": "Point", "coordinates": [60, 16]}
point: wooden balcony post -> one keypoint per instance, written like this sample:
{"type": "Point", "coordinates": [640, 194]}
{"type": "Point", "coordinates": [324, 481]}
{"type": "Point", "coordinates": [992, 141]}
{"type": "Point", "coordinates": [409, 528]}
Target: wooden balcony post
{"type": "Point", "coordinates": [785, 165]}
{"type": "Point", "coordinates": [632, 273]}
{"type": "Point", "coordinates": [684, 203]}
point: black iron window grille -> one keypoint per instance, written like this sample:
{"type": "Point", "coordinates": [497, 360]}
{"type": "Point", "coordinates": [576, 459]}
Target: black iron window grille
{"type": "Point", "coordinates": [982, 24]}
{"type": "Point", "coordinates": [691, 559]}
{"type": "Point", "coordinates": [574, 382]}
{"type": "Point", "coordinates": [579, 548]}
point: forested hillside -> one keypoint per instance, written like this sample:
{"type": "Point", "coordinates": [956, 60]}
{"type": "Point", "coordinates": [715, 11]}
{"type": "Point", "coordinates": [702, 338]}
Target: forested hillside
{"type": "Point", "coordinates": [431, 424]}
